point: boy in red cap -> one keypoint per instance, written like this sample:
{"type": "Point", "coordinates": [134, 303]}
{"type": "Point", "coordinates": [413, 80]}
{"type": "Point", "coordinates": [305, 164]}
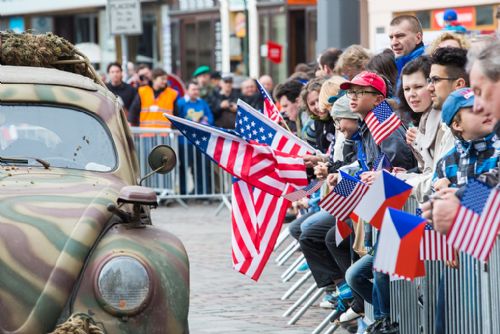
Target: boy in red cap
{"type": "Point", "coordinates": [366, 91]}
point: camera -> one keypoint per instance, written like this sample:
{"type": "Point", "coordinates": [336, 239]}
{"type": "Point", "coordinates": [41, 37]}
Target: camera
{"type": "Point", "coordinates": [142, 77]}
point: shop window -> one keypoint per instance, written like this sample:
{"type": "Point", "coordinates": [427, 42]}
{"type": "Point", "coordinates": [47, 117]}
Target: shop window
{"type": "Point", "coordinates": [484, 15]}
{"type": "Point", "coordinates": [147, 48]}
{"type": "Point", "coordinates": [86, 28]}
{"type": "Point", "coordinates": [424, 17]}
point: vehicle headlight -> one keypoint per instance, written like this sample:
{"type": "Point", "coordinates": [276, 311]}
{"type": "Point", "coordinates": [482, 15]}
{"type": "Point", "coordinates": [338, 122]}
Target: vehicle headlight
{"type": "Point", "coordinates": [123, 285]}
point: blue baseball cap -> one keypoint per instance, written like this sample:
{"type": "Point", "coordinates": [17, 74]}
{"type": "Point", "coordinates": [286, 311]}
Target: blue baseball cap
{"type": "Point", "coordinates": [461, 98]}
{"type": "Point", "coordinates": [450, 15]}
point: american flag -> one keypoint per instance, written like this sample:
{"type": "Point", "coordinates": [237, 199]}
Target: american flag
{"type": "Point", "coordinates": [382, 121]}
{"type": "Point", "coordinates": [259, 165]}
{"type": "Point", "coordinates": [257, 216]}
{"type": "Point", "coordinates": [477, 222]}
{"type": "Point", "coordinates": [253, 126]}
{"type": "Point", "coordinates": [344, 197]}
{"type": "Point", "coordinates": [270, 109]}
{"type": "Point", "coordinates": [434, 246]}
{"type": "Point", "coordinates": [306, 191]}
{"type": "Point", "coordinates": [382, 162]}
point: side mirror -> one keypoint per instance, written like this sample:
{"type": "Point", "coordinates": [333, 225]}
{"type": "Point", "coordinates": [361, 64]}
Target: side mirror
{"type": "Point", "coordinates": [161, 159]}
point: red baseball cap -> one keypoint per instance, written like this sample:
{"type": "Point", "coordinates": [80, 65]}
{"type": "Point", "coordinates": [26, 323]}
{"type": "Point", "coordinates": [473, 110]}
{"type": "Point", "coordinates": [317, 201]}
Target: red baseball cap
{"type": "Point", "coordinates": [367, 79]}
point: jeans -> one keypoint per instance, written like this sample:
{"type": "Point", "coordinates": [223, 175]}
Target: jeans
{"type": "Point", "coordinates": [381, 295]}
{"type": "Point", "coordinates": [295, 226]}
{"type": "Point", "coordinates": [358, 277]}
{"type": "Point", "coordinates": [319, 216]}
{"type": "Point", "coordinates": [440, 308]}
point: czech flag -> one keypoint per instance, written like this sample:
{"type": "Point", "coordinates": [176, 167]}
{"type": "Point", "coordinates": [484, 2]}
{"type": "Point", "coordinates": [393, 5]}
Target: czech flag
{"type": "Point", "coordinates": [386, 191]}
{"type": "Point", "coordinates": [398, 250]}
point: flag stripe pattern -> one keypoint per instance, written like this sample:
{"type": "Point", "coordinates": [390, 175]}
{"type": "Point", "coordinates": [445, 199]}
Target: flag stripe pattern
{"type": "Point", "coordinates": [270, 109]}
{"type": "Point", "coordinates": [259, 165]}
{"type": "Point", "coordinates": [253, 126]}
{"type": "Point", "coordinates": [344, 197]}
{"type": "Point", "coordinates": [267, 211]}
{"type": "Point", "coordinates": [306, 191]}
{"type": "Point", "coordinates": [382, 121]}
{"type": "Point", "coordinates": [434, 246]}
{"type": "Point", "coordinates": [477, 222]}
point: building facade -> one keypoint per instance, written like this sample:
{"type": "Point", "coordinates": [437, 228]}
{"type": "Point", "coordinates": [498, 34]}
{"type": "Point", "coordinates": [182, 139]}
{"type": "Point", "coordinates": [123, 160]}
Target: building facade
{"type": "Point", "coordinates": [478, 16]}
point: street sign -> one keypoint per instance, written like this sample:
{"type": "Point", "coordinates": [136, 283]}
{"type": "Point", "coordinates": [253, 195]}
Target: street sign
{"type": "Point", "coordinates": [125, 17]}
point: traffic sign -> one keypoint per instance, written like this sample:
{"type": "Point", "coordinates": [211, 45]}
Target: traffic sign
{"type": "Point", "coordinates": [125, 17]}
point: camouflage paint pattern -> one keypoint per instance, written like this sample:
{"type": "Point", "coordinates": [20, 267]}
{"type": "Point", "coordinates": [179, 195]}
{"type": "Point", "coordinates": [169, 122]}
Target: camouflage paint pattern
{"type": "Point", "coordinates": [50, 219]}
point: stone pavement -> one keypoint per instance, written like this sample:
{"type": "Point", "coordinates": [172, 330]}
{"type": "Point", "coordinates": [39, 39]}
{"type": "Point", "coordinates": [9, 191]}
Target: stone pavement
{"type": "Point", "coordinates": [224, 301]}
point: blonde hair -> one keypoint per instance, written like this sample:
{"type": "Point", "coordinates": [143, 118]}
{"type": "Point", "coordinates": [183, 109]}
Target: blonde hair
{"type": "Point", "coordinates": [354, 56]}
{"type": "Point", "coordinates": [331, 87]}
{"type": "Point", "coordinates": [460, 39]}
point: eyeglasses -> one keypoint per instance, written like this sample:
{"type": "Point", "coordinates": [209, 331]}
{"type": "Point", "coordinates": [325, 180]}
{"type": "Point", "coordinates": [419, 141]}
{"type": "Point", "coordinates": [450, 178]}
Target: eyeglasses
{"type": "Point", "coordinates": [434, 80]}
{"type": "Point", "coordinates": [357, 93]}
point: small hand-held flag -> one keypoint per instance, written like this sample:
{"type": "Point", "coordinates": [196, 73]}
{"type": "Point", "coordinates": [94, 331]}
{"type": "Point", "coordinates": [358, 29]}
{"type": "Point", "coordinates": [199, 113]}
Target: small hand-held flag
{"type": "Point", "coordinates": [398, 245]}
{"type": "Point", "coordinates": [382, 163]}
{"type": "Point", "coordinates": [310, 189]}
{"type": "Point", "coordinates": [270, 109]}
{"type": "Point", "coordinates": [386, 191]}
{"type": "Point", "coordinates": [342, 231]}
{"type": "Point", "coordinates": [434, 246]}
{"type": "Point", "coordinates": [344, 197]}
{"type": "Point", "coordinates": [382, 122]}
{"type": "Point", "coordinates": [477, 222]}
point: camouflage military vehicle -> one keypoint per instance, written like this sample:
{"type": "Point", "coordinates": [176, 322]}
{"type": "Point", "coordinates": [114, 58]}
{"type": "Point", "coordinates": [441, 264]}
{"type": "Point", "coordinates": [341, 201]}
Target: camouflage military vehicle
{"type": "Point", "coordinates": [75, 230]}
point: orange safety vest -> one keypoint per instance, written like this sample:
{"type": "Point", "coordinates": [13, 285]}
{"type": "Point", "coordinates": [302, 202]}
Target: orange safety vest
{"type": "Point", "coordinates": [152, 108]}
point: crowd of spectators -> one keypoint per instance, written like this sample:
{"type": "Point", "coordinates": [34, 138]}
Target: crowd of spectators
{"type": "Point", "coordinates": [444, 93]}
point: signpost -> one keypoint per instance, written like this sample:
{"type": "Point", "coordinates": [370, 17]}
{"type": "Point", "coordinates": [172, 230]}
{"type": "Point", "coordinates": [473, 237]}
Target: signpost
{"type": "Point", "coordinates": [124, 19]}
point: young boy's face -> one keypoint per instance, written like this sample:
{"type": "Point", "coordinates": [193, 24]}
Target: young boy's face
{"type": "Point", "coordinates": [474, 125]}
{"type": "Point", "coordinates": [363, 99]}
{"type": "Point", "coordinates": [347, 126]}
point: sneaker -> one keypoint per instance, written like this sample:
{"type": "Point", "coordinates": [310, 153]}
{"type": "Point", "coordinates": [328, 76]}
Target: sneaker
{"type": "Point", "coordinates": [328, 301]}
{"type": "Point", "coordinates": [303, 268]}
{"type": "Point", "coordinates": [344, 291]}
{"type": "Point", "coordinates": [374, 326]}
{"type": "Point", "coordinates": [388, 327]}
{"type": "Point", "coordinates": [349, 315]}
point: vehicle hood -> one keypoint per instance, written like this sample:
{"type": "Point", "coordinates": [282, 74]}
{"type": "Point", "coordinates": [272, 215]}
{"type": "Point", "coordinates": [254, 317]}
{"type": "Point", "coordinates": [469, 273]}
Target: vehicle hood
{"type": "Point", "coordinates": [49, 219]}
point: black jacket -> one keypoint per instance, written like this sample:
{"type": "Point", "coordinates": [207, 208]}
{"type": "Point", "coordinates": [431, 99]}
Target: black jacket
{"type": "Point", "coordinates": [325, 133]}
{"type": "Point", "coordinates": [126, 92]}
{"type": "Point", "coordinates": [224, 118]}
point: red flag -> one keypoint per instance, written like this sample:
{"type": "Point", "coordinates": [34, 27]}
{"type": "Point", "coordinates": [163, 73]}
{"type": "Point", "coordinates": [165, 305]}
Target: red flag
{"type": "Point", "coordinates": [342, 231]}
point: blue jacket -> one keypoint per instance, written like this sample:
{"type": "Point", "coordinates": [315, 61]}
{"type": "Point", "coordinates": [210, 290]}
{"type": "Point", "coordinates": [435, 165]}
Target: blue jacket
{"type": "Point", "coordinates": [403, 60]}
{"type": "Point", "coordinates": [468, 160]}
{"type": "Point", "coordinates": [197, 111]}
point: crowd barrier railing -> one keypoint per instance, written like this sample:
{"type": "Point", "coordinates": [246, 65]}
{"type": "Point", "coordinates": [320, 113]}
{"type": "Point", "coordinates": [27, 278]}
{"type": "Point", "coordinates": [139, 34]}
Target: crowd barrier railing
{"type": "Point", "coordinates": [471, 295]}
{"type": "Point", "coordinates": [195, 176]}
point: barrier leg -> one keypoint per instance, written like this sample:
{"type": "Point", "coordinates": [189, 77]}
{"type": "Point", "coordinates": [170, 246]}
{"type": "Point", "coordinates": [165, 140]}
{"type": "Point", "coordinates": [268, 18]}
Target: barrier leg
{"type": "Point", "coordinates": [286, 250]}
{"type": "Point", "coordinates": [281, 238]}
{"type": "Point", "coordinates": [225, 203]}
{"type": "Point", "coordinates": [325, 322]}
{"type": "Point", "coordinates": [296, 285]}
{"type": "Point", "coordinates": [299, 301]}
{"type": "Point", "coordinates": [332, 329]}
{"type": "Point", "coordinates": [292, 269]}
{"type": "Point", "coordinates": [289, 254]}
{"type": "Point", "coordinates": [308, 304]}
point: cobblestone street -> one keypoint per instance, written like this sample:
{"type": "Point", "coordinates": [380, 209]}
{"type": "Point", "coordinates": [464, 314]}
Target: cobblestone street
{"type": "Point", "coordinates": [222, 300]}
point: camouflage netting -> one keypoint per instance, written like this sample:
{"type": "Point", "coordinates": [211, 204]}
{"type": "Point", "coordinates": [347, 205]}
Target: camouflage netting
{"type": "Point", "coordinates": [78, 324]}
{"type": "Point", "coordinates": [45, 50]}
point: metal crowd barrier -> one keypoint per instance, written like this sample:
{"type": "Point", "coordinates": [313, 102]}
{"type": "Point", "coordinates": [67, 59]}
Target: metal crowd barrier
{"type": "Point", "coordinates": [195, 176]}
{"type": "Point", "coordinates": [472, 296]}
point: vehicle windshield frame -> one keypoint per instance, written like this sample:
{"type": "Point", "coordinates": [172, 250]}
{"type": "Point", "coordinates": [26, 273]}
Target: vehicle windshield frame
{"type": "Point", "coordinates": [76, 109]}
